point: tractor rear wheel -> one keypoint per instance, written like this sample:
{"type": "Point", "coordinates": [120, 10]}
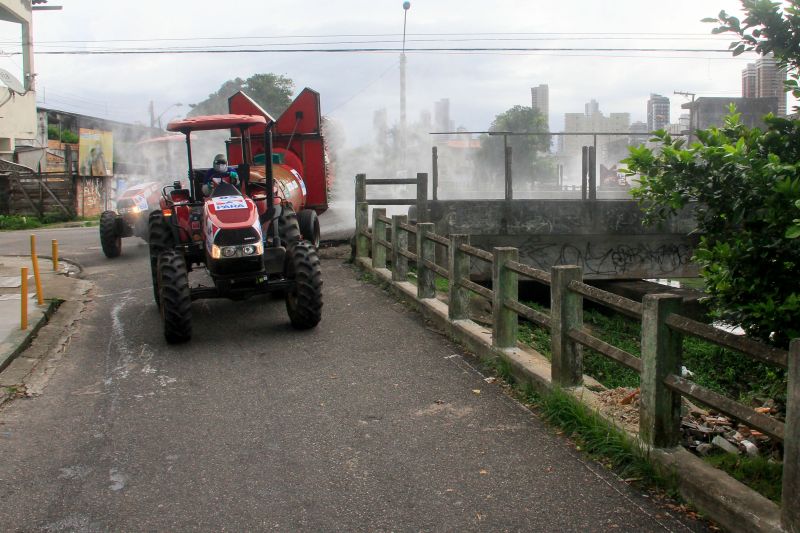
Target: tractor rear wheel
{"type": "Point", "coordinates": [309, 226]}
{"type": "Point", "coordinates": [304, 299]}
{"type": "Point", "coordinates": [288, 228]}
{"type": "Point", "coordinates": [110, 239]}
{"type": "Point", "coordinates": [175, 297]}
{"type": "Point", "coordinates": [159, 238]}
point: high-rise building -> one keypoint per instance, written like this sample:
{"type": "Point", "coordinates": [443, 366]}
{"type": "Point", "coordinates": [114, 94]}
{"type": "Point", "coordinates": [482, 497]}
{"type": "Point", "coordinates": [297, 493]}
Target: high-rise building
{"type": "Point", "coordinates": [764, 79]}
{"type": "Point", "coordinates": [610, 148]}
{"type": "Point", "coordinates": [441, 115]}
{"type": "Point", "coordinates": [657, 112]}
{"type": "Point", "coordinates": [540, 101]}
{"type": "Point", "coordinates": [749, 81]}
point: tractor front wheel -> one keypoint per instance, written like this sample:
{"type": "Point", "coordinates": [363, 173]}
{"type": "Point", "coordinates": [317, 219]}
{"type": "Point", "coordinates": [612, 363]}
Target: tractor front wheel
{"type": "Point", "coordinates": [159, 238]}
{"type": "Point", "coordinates": [309, 226]}
{"type": "Point", "coordinates": [304, 299]}
{"type": "Point", "coordinates": [175, 297]}
{"type": "Point", "coordinates": [110, 239]}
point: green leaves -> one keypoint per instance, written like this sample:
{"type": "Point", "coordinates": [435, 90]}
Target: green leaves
{"type": "Point", "coordinates": [746, 184]}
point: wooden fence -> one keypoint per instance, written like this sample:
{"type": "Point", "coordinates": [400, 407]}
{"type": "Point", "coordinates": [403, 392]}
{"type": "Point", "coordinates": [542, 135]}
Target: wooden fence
{"type": "Point", "coordinates": [663, 328]}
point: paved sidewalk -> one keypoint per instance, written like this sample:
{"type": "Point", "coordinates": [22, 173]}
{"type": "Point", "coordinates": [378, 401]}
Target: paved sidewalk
{"type": "Point", "coordinates": [56, 286]}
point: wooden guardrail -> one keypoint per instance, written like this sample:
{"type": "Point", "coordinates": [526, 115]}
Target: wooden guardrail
{"type": "Point", "coordinates": [662, 333]}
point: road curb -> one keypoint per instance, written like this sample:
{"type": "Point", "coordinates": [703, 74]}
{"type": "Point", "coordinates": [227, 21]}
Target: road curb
{"type": "Point", "coordinates": [19, 341]}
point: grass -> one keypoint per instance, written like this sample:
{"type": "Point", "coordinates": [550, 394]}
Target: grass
{"type": "Point", "coordinates": [19, 222]}
{"type": "Point", "coordinates": [593, 435]}
{"type": "Point", "coordinates": [758, 473]}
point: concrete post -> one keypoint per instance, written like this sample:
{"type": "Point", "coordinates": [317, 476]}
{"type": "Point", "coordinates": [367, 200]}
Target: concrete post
{"type": "Point", "coordinates": [458, 306]}
{"type": "Point", "coordinates": [584, 170]}
{"type": "Point", "coordinates": [508, 175]}
{"type": "Point", "coordinates": [399, 242]}
{"type": "Point", "coordinates": [566, 312]}
{"type": "Point", "coordinates": [505, 286]}
{"type": "Point", "coordinates": [378, 233]}
{"type": "Point", "coordinates": [362, 224]}
{"type": "Point", "coordinates": [435, 173]}
{"type": "Point", "coordinates": [660, 407]}
{"type": "Point", "coordinates": [426, 278]}
{"type": "Point", "coordinates": [422, 197]}
{"type": "Point", "coordinates": [593, 170]}
{"type": "Point", "coordinates": [790, 501]}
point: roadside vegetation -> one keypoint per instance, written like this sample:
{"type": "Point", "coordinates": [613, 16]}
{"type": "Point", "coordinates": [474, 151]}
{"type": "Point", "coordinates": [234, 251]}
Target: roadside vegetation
{"type": "Point", "coordinates": [17, 222]}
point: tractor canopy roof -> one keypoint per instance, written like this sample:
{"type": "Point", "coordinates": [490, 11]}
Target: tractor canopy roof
{"type": "Point", "coordinates": [215, 122]}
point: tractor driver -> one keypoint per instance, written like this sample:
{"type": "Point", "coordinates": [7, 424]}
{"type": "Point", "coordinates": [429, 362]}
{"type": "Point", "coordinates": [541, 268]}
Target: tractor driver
{"type": "Point", "coordinates": [219, 172]}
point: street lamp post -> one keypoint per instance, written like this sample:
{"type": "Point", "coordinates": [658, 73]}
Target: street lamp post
{"type": "Point", "coordinates": [157, 119]}
{"type": "Point", "coordinates": [406, 7]}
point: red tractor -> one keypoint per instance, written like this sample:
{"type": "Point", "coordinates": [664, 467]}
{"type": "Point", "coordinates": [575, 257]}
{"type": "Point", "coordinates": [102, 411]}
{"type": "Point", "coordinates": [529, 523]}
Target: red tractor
{"type": "Point", "coordinates": [130, 218]}
{"type": "Point", "coordinates": [257, 238]}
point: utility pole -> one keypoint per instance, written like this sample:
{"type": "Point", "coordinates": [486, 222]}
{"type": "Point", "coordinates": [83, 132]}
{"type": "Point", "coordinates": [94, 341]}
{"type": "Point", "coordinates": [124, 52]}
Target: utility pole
{"type": "Point", "coordinates": [152, 115]}
{"type": "Point", "coordinates": [691, 112]}
{"type": "Point", "coordinates": [403, 136]}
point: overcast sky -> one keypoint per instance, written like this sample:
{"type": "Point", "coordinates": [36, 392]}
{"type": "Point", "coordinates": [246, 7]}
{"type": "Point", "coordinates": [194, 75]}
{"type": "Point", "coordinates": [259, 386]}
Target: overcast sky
{"type": "Point", "coordinates": [352, 86]}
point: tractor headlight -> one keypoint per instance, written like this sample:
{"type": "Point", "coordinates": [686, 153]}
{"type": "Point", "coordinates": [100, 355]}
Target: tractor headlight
{"type": "Point", "coordinates": [252, 249]}
{"type": "Point", "coordinates": [229, 252]}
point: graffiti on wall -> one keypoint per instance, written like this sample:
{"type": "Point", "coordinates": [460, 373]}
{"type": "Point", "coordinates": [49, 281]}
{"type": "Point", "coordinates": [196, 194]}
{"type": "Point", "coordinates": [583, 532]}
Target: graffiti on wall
{"type": "Point", "coordinates": [618, 260]}
{"type": "Point", "coordinates": [91, 196]}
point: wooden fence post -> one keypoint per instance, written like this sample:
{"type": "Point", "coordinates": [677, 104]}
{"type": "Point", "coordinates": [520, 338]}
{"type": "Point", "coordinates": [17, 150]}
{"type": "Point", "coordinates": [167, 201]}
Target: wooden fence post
{"type": "Point", "coordinates": [659, 407]}
{"type": "Point", "coordinates": [399, 242]}
{"type": "Point", "coordinates": [458, 306]}
{"type": "Point", "coordinates": [361, 188]}
{"type": "Point", "coordinates": [422, 197]}
{"type": "Point", "coordinates": [378, 234]}
{"type": "Point", "coordinates": [505, 286]}
{"type": "Point", "coordinates": [566, 311]}
{"type": "Point", "coordinates": [790, 500]}
{"type": "Point", "coordinates": [362, 225]}
{"type": "Point", "coordinates": [426, 251]}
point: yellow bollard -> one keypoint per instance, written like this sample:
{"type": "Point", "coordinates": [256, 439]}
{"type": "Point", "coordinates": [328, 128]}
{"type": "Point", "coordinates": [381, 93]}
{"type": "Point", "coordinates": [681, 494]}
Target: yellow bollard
{"type": "Point", "coordinates": [36, 277]}
{"type": "Point", "coordinates": [23, 318]}
{"type": "Point", "coordinates": [54, 246]}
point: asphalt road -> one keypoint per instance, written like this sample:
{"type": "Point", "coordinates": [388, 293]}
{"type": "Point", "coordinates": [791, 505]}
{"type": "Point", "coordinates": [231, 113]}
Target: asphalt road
{"type": "Point", "coordinates": [370, 422]}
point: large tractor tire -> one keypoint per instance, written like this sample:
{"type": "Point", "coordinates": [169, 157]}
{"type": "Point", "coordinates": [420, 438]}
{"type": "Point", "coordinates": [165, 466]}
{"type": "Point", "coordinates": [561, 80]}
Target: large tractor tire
{"type": "Point", "coordinates": [175, 297]}
{"type": "Point", "coordinates": [304, 300]}
{"type": "Point", "coordinates": [159, 238]}
{"type": "Point", "coordinates": [309, 226]}
{"type": "Point", "coordinates": [288, 228]}
{"type": "Point", "coordinates": [110, 239]}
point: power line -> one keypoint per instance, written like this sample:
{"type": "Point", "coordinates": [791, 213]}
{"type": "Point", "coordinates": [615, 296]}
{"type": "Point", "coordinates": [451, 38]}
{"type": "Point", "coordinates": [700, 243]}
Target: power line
{"type": "Point", "coordinates": [538, 35]}
{"type": "Point", "coordinates": [353, 50]}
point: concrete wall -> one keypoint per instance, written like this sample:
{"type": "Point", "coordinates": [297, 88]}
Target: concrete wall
{"type": "Point", "coordinates": [607, 238]}
{"type": "Point", "coordinates": [18, 113]}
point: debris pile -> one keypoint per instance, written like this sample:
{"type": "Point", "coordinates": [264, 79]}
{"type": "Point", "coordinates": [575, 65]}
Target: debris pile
{"type": "Point", "coordinates": [703, 430]}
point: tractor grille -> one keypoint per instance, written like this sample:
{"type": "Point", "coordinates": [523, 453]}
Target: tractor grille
{"type": "Point", "coordinates": [231, 237]}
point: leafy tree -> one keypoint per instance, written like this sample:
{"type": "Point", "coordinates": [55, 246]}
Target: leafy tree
{"type": "Point", "coordinates": [746, 185]}
{"type": "Point", "coordinates": [524, 149]}
{"type": "Point", "coordinates": [273, 92]}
